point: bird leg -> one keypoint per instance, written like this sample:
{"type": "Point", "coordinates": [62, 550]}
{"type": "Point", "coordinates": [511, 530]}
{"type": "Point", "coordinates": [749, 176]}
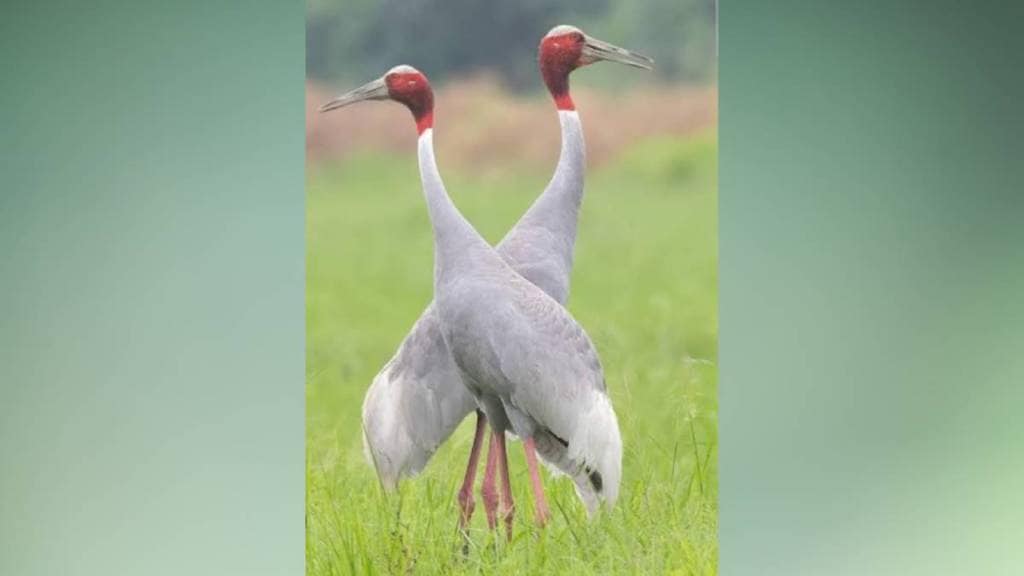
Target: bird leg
{"type": "Point", "coordinates": [489, 491]}
{"type": "Point", "coordinates": [509, 507]}
{"type": "Point", "coordinates": [465, 497]}
{"type": "Point", "coordinates": [541, 505]}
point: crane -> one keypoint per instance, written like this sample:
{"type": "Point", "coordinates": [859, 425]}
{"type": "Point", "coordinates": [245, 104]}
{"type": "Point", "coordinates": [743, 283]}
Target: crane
{"type": "Point", "coordinates": [528, 364]}
{"type": "Point", "coordinates": [417, 399]}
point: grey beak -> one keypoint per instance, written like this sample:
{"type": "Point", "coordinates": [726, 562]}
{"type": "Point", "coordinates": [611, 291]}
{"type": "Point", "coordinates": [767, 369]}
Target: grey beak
{"type": "Point", "coordinates": [375, 90]}
{"type": "Point", "coordinates": [595, 50]}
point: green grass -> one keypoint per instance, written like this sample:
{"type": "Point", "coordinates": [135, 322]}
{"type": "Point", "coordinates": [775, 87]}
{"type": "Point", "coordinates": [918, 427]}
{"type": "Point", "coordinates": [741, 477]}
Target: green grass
{"type": "Point", "coordinates": [645, 288]}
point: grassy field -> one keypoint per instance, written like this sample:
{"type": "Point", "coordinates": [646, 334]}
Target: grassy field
{"type": "Point", "coordinates": [645, 288]}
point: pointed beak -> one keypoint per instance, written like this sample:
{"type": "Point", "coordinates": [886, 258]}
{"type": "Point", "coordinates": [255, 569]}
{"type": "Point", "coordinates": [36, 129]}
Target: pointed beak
{"type": "Point", "coordinates": [595, 50]}
{"type": "Point", "coordinates": [376, 90]}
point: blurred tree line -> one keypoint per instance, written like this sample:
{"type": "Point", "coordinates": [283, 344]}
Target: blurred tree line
{"type": "Point", "coordinates": [354, 40]}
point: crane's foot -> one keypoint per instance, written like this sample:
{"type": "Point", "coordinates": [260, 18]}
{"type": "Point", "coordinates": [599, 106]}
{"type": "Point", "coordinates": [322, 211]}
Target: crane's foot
{"type": "Point", "coordinates": [489, 489]}
{"type": "Point", "coordinates": [490, 496]}
{"type": "Point", "coordinates": [465, 497]}
{"type": "Point", "coordinates": [508, 515]}
{"type": "Point", "coordinates": [466, 506]}
{"type": "Point", "coordinates": [542, 514]}
{"type": "Point", "coordinates": [509, 507]}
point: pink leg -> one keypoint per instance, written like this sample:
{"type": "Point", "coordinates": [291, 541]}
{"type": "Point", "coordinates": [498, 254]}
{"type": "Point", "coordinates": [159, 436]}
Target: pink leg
{"type": "Point", "coordinates": [488, 490]}
{"type": "Point", "coordinates": [466, 492]}
{"type": "Point", "coordinates": [506, 489]}
{"type": "Point", "coordinates": [538, 488]}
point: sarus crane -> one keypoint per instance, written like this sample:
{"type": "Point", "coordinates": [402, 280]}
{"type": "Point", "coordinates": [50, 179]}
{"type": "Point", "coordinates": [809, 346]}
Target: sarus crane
{"type": "Point", "coordinates": [419, 398]}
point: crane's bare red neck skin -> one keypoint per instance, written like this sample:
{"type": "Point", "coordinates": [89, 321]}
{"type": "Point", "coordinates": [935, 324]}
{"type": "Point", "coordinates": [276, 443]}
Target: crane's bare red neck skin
{"type": "Point", "coordinates": [413, 90]}
{"type": "Point", "coordinates": [559, 56]}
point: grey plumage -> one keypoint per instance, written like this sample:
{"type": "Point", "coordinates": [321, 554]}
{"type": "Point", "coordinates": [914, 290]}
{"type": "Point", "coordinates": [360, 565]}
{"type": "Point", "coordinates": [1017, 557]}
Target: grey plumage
{"type": "Point", "coordinates": [531, 367]}
{"type": "Point", "coordinates": [417, 400]}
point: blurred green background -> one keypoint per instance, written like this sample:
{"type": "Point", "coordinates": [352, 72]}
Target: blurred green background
{"type": "Point", "coordinates": [359, 39]}
{"type": "Point", "coordinates": [644, 284]}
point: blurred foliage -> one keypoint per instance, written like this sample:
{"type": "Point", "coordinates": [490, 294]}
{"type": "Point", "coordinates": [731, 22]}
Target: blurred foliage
{"type": "Point", "coordinates": [355, 40]}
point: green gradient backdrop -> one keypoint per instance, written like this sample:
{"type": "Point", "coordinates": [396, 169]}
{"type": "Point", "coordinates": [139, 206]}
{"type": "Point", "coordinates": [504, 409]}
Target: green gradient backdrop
{"type": "Point", "coordinates": [871, 288]}
{"type": "Point", "coordinates": [151, 339]}
{"type": "Point", "coordinates": [151, 320]}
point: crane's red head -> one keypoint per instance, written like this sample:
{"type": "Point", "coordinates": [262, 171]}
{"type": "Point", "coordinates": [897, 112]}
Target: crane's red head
{"type": "Point", "coordinates": [409, 86]}
{"type": "Point", "coordinates": [403, 84]}
{"type": "Point", "coordinates": [566, 48]}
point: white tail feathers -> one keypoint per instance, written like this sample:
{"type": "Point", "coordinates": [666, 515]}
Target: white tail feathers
{"type": "Point", "coordinates": [386, 440]}
{"type": "Point", "coordinates": [597, 445]}
{"type": "Point", "coordinates": [593, 457]}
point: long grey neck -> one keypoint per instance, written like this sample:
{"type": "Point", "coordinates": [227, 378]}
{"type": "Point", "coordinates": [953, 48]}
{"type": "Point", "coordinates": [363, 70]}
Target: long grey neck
{"type": "Point", "coordinates": [456, 242]}
{"type": "Point", "coordinates": [557, 208]}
